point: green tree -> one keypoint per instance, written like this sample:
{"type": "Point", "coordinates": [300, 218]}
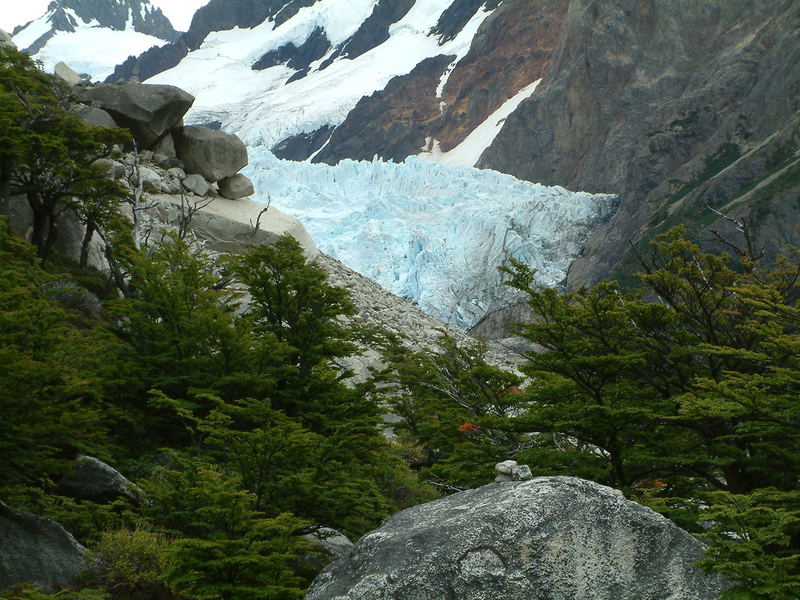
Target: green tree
{"type": "Point", "coordinates": [49, 154]}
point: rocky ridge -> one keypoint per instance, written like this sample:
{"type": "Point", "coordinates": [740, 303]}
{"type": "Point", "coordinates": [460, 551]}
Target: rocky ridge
{"type": "Point", "coordinates": [117, 15]}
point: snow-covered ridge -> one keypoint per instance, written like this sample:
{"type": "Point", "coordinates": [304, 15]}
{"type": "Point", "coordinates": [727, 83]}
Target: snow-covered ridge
{"type": "Point", "coordinates": [263, 109]}
{"type": "Point", "coordinates": [93, 42]}
{"type": "Point", "coordinates": [432, 233]}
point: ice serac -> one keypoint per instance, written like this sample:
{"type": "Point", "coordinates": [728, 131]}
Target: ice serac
{"type": "Point", "coordinates": [431, 233]}
{"type": "Point", "coordinates": [676, 106]}
{"type": "Point", "coordinates": [554, 538]}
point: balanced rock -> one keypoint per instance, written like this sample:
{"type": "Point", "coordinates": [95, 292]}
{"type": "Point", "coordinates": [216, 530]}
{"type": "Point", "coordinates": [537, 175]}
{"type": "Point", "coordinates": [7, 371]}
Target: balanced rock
{"type": "Point", "coordinates": [65, 73]}
{"type": "Point", "coordinates": [6, 41]}
{"type": "Point", "coordinates": [214, 154]}
{"type": "Point", "coordinates": [148, 111]}
{"type": "Point", "coordinates": [236, 186]}
{"type": "Point", "coordinates": [559, 538]}
{"type": "Point", "coordinates": [37, 550]}
{"type": "Point", "coordinates": [92, 479]}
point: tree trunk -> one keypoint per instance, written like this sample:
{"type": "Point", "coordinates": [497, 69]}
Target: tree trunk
{"type": "Point", "coordinates": [87, 240]}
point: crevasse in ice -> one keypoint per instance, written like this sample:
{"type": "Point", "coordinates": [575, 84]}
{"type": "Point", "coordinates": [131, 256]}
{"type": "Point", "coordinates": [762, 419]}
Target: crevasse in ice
{"type": "Point", "coordinates": [432, 233]}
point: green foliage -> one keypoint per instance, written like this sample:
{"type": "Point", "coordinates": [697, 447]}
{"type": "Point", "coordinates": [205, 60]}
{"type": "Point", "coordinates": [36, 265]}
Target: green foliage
{"type": "Point", "coordinates": [452, 406]}
{"type": "Point", "coordinates": [32, 592]}
{"type": "Point", "coordinates": [224, 548]}
{"type": "Point", "coordinates": [132, 564]}
{"type": "Point", "coordinates": [49, 154]}
{"type": "Point", "coordinates": [51, 394]}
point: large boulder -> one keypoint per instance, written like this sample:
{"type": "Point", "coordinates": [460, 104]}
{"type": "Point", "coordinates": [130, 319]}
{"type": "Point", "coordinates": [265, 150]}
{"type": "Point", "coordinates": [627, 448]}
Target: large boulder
{"type": "Point", "coordinates": [228, 226]}
{"type": "Point", "coordinates": [552, 538]}
{"type": "Point", "coordinates": [214, 154]}
{"type": "Point", "coordinates": [148, 111]}
{"type": "Point", "coordinates": [96, 117]}
{"type": "Point", "coordinates": [36, 550]}
{"type": "Point", "coordinates": [236, 186]}
{"type": "Point", "coordinates": [92, 479]}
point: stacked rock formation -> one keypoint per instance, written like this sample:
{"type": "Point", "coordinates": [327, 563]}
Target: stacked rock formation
{"type": "Point", "coordinates": [208, 160]}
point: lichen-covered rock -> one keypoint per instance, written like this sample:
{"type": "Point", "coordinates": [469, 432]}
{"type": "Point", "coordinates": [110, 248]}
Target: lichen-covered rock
{"type": "Point", "coordinates": [236, 186]}
{"type": "Point", "coordinates": [549, 538]}
{"type": "Point", "coordinates": [36, 550]}
{"type": "Point", "coordinates": [148, 111]}
{"type": "Point", "coordinates": [214, 154]}
{"type": "Point", "coordinates": [92, 479]}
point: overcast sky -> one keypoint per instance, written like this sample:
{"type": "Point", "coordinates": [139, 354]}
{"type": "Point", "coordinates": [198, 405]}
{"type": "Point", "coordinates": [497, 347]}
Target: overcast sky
{"type": "Point", "coordinates": [15, 13]}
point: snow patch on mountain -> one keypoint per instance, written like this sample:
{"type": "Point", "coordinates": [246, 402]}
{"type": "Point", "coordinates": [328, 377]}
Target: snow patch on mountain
{"type": "Point", "coordinates": [467, 153]}
{"type": "Point", "coordinates": [88, 45]}
{"type": "Point", "coordinates": [263, 109]}
{"type": "Point", "coordinates": [94, 50]}
{"type": "Point", "coordinates": [433, 233]}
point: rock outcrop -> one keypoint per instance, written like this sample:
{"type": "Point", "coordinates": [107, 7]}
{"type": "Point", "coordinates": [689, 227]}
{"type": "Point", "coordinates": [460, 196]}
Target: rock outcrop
{"type": "Point", "coordinates": [148, 111]}
{"type": "Point", "coordinates": [92, 479]}
{"type": "Point", "coordinates": [211, 153]}
{"type": "Point", "coordinates": [558, 538]}
{"type": "Point", "coordinates": [37, 550]}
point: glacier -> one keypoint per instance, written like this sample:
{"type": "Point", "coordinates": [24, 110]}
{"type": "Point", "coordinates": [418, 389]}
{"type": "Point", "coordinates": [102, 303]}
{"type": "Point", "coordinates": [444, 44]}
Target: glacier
{"type": "Point", "coordinates": [433, 233]}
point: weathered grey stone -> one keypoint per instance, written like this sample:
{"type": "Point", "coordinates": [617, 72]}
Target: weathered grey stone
{"type": "Point", "coordinates": [92, 479]}
{"type": "Point", "coordinates": [151, 179]}
{"type": "Point", "coordinates": [236, 186]}
{"type": "Point", "coordinates": [96, 117]}
{"type": "Point", "coordinates": [176, 172]}
{"type": "Point", "coordinates": [146, 155]}
{"type": "Point", "coordinates": [332, 543]}
{"type": "Point", "coordinates": [37, 550]}
{"type": "Point", "coordinates": [214, 154]}
{"type": "Point", "coordinates": [6, 41]}
{"type": "Point", "coordinates": [521, 473]}
{"type": "Point", "coordinates": [148, 111]}
{"type": "Point", "coordinates": [554, 538]}
{"type": "Point", "coordinates": [166, 146]}
{"type": "Point", "coordinates": [64, 72]}
{"type": "Point", "coordinates": [196, 184]}
{"type": "Point", "coordinates": [503, 477]}
{"type": "Point", "coordinates": [507, 466]}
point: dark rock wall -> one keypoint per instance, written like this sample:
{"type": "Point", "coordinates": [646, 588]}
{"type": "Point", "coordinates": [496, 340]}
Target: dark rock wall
{"type": "Point", "coordinates": [655, 100]}
{"type": "Point", "coordinates": [391, 123]}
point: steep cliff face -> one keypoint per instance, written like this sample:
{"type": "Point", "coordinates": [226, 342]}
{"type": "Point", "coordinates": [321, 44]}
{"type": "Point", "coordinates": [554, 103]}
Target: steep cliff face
{"type": "Point", "coordinates": [673, 106]}
{"type": "Point", "coordinates": [445, 98]}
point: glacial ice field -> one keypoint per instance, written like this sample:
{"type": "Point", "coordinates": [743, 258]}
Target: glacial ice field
{"type": "Point", "coordinates": [432, 233]}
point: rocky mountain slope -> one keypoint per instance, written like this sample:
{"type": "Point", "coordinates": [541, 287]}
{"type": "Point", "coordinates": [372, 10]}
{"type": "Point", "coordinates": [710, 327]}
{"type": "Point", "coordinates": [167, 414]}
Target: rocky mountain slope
{"type": "Point", "coordinates": [674, 106]}
{"type": "Point", "coordinates": [73, 30]}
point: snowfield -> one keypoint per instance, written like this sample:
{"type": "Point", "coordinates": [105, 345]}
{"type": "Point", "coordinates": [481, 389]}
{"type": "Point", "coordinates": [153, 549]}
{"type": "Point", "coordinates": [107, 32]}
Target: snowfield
{"type": "Point", "coordinates": [262, 109]}
{"type": "Point", "coordinates": [432, 233]}
{"type": "Point", "coordinates": [91, 49]}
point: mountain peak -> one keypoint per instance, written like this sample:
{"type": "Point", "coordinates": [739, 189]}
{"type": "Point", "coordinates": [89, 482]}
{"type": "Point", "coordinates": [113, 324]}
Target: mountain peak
{"type": "Point", "coordinates": [73, 30]}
